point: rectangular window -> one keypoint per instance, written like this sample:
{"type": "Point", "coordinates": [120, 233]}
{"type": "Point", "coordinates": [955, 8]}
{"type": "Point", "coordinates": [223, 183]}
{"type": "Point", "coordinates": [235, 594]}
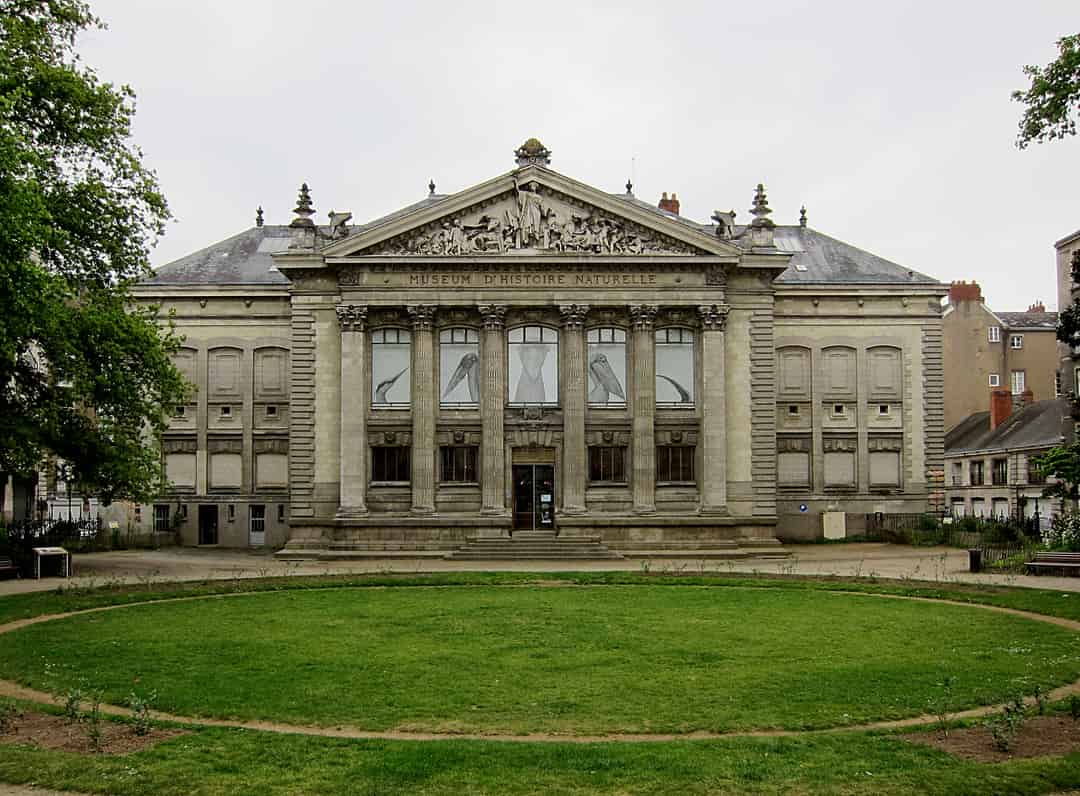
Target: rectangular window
{"type": "Point", "coordinates": [533, 366]}
{"type": "Point", "coordinates": [995, 334]}
{"type": "Point", "coordinates": [958, 474]}
{"type": "Point", "coordinates": [995, 380]}
{"type": "Point", "coordinates": [390, 363]}
{"type": "Point", "coordinates": [958, 507]}
{"type": "Point", "coordinates": [459, 464]}
{"type": "Point", "coordinates": [675, 464]}
{"type": "Point", "coordinates": [606, 369]}
{"type": "Point", "coordinates": [390, 463]}
{"type": "Point", "coordinates": [179, 411]}
{"type": "Point", "coordinates": [459, 367]}
{"type": "Point", "coordinates": [607, 464]}
{"type": "Point", "coordinates": [271, 410]}
{"type": "Point", "coordinates": [281, 512]}
{"type": "Point", "coordinates": [1016, 341]}
{"type": "Point", "coordinates": [978, 507]}
{"type": "Point", "coordinates": [161, 518]}
{"type": "Point", "coordinates": [226, 411]}
{"type": "Point", "coordinates": [675, 367]}
{"type": "Point", "coordinates": [999, 508]}
{"type": "Point", "coordinates": [258, 518]}
{"type": "Point", "coordinates": [1017, 382]}
{"type": "Point", "coordinates": [999, 472]}
{"type": "Point", "coordinates": [975, 472]}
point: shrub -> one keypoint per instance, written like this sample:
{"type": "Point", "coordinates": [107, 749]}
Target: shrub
{"type": "Point", "coordinates": [1064, 532]}
{"type": "Point", "coordinates": [8, 713]}
{"type": "Point", "coordinates": [140, 709]}
{"type": "Point", "coordinates": [1005, 726]}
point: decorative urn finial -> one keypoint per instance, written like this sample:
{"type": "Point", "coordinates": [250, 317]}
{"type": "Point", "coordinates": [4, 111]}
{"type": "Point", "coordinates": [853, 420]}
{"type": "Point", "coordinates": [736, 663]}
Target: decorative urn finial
{"type": "Point", "coordinates": [303, 209]}
{"type": "Point", "coordinates": [431, 188]}
{"type": "Point", "coordinates": [259, 216]}
{"type": "Point", "coordinates": [533, 153]}
{"type": "Point", "coordinates": [629, 188]}
{"type": "Point", "coordinates": [802, 216]}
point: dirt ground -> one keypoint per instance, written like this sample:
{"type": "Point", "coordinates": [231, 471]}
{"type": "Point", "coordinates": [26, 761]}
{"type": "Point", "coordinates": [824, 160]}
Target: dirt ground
{"type": "Point", "coordinates": [55, 732]}
{"type": "Point", "coordinates": [868, 559]}
{"type": "Point", "coordinates": [1040, 736]}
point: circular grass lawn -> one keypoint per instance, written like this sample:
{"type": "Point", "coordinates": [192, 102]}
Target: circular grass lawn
{"type": "Point", "coordinates": [584, 660]}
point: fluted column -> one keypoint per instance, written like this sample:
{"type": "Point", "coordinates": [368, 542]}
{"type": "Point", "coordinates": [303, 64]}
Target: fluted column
{"type": "Point", "coordinates": [354, 447]}
{"type": "Point", "coordinates": [644, 319]}
{"type": "Point", "coordinates": [573, 405]}
{"type": "Point", "coordinates": [492, 396]}
{"type": "Point", "coordinates": [423, 408]}
{"type": "Point", "coordinates": [713, 479]}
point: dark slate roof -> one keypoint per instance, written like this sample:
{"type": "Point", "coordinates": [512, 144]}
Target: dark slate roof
{"type": "Point", "coordinates": [819, 258]}
{"type": "Point", "coordinates": [1029, 320]}
{"type": "Point", "coordinates": [1036, 425]}
{"type": "Point", "coordinates": [243, 259]}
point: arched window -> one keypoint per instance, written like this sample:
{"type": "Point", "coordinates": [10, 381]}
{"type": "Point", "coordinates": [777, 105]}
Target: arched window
{"type": "Point", "coordinates": [534, 365]}
{"type": "Point", "coordinates": [606, 367]}
{"type": "Point", "coordinates": [674, 367]}
{"type": "Point", "coordinates": [459, 367]}
{"type": "Point", "coordinates": [390, 362]}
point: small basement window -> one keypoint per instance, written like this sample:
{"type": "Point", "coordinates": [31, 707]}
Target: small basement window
{"type": "Point", "coordinates": [226, 411]}
{"type": "Point", "coordinates": [883, 409]}
{"type": "Point", "coordinates": [995, 380]}
{"type": "Point", "coordinates": [179, 411]}
{"type": "Point", "coordinates": [838, 409]}
{"type": "Point", "coordinates": [271, 411]}
{"type": "Point", "coordinates": [793, 409]}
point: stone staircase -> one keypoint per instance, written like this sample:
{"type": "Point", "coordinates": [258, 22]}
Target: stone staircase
{"type": "Point", "coordinates": [533, 546]}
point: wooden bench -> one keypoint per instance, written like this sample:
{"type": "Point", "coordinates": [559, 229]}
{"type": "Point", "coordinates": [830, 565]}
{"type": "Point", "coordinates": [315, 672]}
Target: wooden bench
{"type": "Point", "coordinates": [1066, 562]}
{"type": "Point", "coordinates": [7, 566]}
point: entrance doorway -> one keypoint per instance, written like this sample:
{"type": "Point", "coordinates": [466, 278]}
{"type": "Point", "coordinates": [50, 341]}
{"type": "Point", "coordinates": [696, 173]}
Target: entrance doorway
{"type": "Point", "coordinates": [534, 497]}
{"type": "Point", "coordinates": [208, 517]}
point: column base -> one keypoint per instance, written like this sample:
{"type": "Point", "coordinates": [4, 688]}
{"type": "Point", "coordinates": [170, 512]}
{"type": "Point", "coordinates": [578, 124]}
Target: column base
{"type": "Point", "coordinates": [573, 510]}
{"type": "Point", "coordinates": [714, 511]}
{"type": "Point", "coordinates": [422, 511]}
{"type": "Point", "coordinates": [644, 509]}
{"type": "Point", "coordinates": [495, 512]}
{"type": "Point", "coordinates": [351, 512]}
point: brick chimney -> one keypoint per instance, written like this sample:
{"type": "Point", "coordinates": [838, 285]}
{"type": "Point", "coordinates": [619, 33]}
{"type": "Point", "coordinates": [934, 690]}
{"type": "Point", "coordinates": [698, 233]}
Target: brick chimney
{"type": "Point", "coordinates": [1000, 407]}
{"type": "Point", "coordinates": [1038, 306]}
{"type": "Point", "coordinates": [964, 291]}
{"type": "Point", "coordinates": [671, 205]}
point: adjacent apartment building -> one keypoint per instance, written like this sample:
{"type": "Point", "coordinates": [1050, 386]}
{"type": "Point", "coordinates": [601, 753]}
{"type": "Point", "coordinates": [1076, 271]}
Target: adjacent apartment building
{"type": "Point", "coordinates": [986, 350]}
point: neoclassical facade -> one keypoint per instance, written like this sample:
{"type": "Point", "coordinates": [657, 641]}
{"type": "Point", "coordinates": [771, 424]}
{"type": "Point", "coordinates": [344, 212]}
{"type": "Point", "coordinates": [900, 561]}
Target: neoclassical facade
{"type": "Point", "coordinates": [533, 356]}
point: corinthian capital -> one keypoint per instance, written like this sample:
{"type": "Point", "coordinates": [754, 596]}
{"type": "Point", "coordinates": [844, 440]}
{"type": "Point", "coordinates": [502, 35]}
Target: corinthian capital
{"type": "Point", "coordinates": [573, 315]}
{"type": "Point", "coordinates": [423, 315]}
{"type": "Point", "coordinates": [643, 316]}
{"type": "Point", "coordinates": [713, 316]}
{"type": "Point", "coordinates": [351, 317]}
{"type": "Point", "coordinates": [494, 315]}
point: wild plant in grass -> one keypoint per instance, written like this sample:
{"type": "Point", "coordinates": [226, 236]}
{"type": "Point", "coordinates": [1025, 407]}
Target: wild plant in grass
{"type": "Point", "coordinates": [1006, 726]}
{"type": "Point", "coordinates": [941, 703]}
{"type": "Point", "coordinates": [1074, 707]}
{"type": "Point", "coordinates": [8, 713]}
{"type": "Point", "coordinates": [73, 699]}
{"type": "Point", "coordinates": [92, 721]}
{"type": "Point", "coordinates": [1041, 698]}
{"type": "Point", "coordinates": [140, 709]}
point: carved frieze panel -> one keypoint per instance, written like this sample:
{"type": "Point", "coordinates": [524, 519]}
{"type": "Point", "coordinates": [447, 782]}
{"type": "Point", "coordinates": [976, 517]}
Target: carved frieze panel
{"type": "Point", "coordinates": [532, 219]}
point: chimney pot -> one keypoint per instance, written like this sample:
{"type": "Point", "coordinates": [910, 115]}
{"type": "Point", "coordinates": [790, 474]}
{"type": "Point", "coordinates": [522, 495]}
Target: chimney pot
{"type": "Point", "coordinates": [670, 205]}
{"type": "Point", "coordinates": [963, 291]}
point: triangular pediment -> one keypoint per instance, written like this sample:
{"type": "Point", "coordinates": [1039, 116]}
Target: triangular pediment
{"type": "Point", "coordinates": [531, 211]}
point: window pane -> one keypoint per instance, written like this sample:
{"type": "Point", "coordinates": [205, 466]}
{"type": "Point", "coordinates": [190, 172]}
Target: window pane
{"type": "Point", "coordinates": [534, 367]}
{"type": "Point", "coordinates": [459, 368]}
{"type": "Point", "coordinates": [675, 367]}
{"type": "Point", "coordinates": [390, 362]}
{"type": "Point", "coordinates": [606, 360]}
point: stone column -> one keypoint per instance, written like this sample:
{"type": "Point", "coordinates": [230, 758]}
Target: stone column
{"type": "Point", "coordinates": [573, 405]}
{"type": "Point", "coordinates": [423, 408]}
{"type": "Point", "coordinates": [354, 405]}
{"type": "Point", "coordinates": [644, 403]}
{"type": "Point", "coordinates": [713, 480]}
{"type": "Point", "coordinates": [492, 396]}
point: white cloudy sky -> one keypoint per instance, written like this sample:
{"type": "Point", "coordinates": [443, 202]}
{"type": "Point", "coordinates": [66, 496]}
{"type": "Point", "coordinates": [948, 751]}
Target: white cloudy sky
{"type": "Point", "coordinates": [891, 121]}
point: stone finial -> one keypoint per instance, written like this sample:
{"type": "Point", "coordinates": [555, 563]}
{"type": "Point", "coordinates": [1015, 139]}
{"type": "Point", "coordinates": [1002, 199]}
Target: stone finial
{"type": "Point", "coordinates": [760, 211]}
{"type": "Point", "coordinates": [532, 153]}
{"type": "Point", "coordinates": [431, 188]}
{"type": "Point", "coordinates": [259, 216]}
{"type": "Point", "coordinates": [303, 209]}
{"type": "Point", "coordinates": [802, 216]}
{"type": "Point", "coordinates": [629, 188]}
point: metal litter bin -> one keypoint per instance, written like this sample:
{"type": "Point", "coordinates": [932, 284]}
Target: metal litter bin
{"type": "Point", "coordinates": [974, 560]}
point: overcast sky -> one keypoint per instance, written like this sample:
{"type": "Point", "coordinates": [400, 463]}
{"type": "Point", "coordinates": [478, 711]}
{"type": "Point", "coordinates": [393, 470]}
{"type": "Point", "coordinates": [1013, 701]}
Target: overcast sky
{"type": "Point", "coordinates": [892, 122]}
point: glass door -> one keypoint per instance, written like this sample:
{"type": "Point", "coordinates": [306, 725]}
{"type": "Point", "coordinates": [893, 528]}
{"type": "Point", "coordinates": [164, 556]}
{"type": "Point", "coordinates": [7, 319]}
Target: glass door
{"type": "Point", "coordinates": [534, 496]}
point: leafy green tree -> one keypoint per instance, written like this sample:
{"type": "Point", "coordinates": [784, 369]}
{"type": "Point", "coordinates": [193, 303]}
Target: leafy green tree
{"type": "Point", "coordinates": [1053, 99]}
{"type": "Point", "coordinates": [85, 372]}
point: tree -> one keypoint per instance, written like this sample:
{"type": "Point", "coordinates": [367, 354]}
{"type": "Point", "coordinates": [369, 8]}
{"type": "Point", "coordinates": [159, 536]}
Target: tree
{"type": "Point", "coordinates": [1053, 99]}
{"type": "Point", "coordinates": [85, 372]}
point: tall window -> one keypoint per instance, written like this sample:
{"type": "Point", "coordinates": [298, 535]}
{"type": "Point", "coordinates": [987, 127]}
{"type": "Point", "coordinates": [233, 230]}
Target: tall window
{"type": "Point", "coordinates": [534, 365]}
{"type": "Point", "coordinates": [675, 464]}
{"type": "Point", "coordinates": [674, 367]}
{"type": "Point", "coordinates": [459, 367]}
{"type": "Point", "coordinates": [459, 463]}
{"type": "Point", "coordinates": [1017, 382]}
{"type": "Point", "coordinates": [975, 472]}
{"type": "Point", "coordinates": [999, 472]}
{"type": "Point", "coordinates": [607, 367]}
{"type": "Point", "coordinates": [390, 463]}
{"type": "Point", "coordinates": [1016, 341]}
{"type": "Point", "coordinates": [607, 464]}
{"type": "Point", "coordinates": [390, 362]}
{"type": "Point", "coordinates": [257, 516]}
{"type": "Point", "coordinates": [161, 517]}
{"type": "Point", "coordinates": [994, 334]}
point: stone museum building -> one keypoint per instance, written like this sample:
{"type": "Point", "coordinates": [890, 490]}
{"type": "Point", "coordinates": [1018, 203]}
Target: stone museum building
{"type": "Point", "coordinates": [536, 358]}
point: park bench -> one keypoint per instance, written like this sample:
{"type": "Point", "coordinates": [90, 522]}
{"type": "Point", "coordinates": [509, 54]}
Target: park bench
{"type": "Point", "coordinates": [7, 567]}
{"type": "Point", "coordinates": [1066, 562]}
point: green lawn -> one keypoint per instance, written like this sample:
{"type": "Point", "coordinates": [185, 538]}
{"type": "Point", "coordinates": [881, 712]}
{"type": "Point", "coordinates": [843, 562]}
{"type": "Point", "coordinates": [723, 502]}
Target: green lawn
{"type": "Point", "coordinates": [567, 659]}
{"type": "Point", "coordinates": [240, 763]}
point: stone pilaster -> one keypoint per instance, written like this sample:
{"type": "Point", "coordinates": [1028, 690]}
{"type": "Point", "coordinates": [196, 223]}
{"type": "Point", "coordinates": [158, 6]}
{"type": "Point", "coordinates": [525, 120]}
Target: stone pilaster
{"type": "Point", "coordinates": [354, 447]}
{"type": "Point", "coordinates": [423, 408]}
{"type": "Point", "coordinates": [644, 407]}
{"type": "Point", "coordinates": [713, 478]}
{"type": "Point", "coordinates": [573, 404]}
{"type": "Point", "coordinates": [492, 396]}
